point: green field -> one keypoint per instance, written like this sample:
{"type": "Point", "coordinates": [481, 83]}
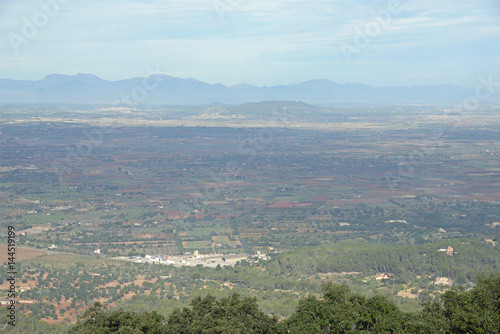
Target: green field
{"type": "Point", "coordinates": [224, 240]}
{"type": "Point", "coordinates": [196, 244]}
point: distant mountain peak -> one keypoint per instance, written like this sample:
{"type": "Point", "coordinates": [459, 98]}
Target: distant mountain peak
{"type": "Point", "coordinates": [55, 77]}
{"type": "Point", "coordinates": [241, 86]}
{"type": "Point", "coordinates": [166, 89]}
{"type": "Point", "coordinates": [77, 77]}
{"type": "Point", "coordinates": [319, 83]}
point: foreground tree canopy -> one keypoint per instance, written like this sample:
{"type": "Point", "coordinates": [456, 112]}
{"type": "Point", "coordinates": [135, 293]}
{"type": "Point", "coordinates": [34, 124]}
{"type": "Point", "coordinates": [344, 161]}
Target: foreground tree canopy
{"type": "Point", "coordinates": [339, 311]}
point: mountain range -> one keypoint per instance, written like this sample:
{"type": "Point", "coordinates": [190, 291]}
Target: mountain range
{"type": "Point", "coordinates": [165, 89]}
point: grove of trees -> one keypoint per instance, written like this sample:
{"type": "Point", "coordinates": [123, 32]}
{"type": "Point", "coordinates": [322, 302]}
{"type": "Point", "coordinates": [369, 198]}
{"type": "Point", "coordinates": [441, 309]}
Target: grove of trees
{"type": "Point", "coordinates": [339, 311]}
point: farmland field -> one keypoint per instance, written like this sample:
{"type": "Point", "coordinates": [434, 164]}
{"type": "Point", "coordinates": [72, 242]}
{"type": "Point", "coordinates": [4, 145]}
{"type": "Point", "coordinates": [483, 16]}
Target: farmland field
{"type": "Point", "coordinates": [21, 253]}
{"type": "Point", "coordinates": [241, 188]}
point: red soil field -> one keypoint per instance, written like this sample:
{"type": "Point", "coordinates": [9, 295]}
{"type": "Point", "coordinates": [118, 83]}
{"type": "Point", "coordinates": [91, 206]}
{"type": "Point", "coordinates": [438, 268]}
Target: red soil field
{"type": "Point", "coordinates": [21, 253]}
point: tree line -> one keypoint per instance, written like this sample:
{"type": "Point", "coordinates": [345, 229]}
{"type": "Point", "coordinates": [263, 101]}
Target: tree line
{"type": "Point", "coordinates": [338, 311]}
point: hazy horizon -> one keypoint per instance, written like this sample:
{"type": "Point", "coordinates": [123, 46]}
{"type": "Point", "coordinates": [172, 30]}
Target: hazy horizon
{"type": "Point", "coordinates": [222, 83]}
{"type": "Point", "coordinates": [377, 43]}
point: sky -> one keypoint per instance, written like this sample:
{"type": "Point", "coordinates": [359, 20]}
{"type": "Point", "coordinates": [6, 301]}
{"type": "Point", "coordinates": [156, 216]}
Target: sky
{"type": "Point", "coordinates": [259, 42]}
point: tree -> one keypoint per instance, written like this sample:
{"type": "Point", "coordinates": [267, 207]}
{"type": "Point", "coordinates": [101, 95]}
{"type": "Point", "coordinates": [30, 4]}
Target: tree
{"type": "Point", "coordinates": [343, 312]}
{"type": "Point", "coordinates": [96, 319]}
{"type": "Point", "coordinates": [473, 311]}
{"type": "Point", "coordinates": [229, 315]}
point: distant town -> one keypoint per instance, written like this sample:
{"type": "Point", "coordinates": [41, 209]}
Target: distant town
{"type": "Point", "coordinates": [194, 259]}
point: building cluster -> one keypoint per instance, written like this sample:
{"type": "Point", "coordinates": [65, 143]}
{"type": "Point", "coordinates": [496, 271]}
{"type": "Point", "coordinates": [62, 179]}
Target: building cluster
{"type": "Point", "coordinates": [442, 281]}
{"type": "Point", "coordinates": [194, 259]}
{"type": "Point", "coordinates": [382, 276]}
{"type": "Point", "coordinates": [448, 251]}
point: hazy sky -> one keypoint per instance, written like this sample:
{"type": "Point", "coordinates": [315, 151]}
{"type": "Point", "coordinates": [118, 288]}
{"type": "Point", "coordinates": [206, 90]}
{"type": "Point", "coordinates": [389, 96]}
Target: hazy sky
{"type": "Point", "coordinates": [260, 42]}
